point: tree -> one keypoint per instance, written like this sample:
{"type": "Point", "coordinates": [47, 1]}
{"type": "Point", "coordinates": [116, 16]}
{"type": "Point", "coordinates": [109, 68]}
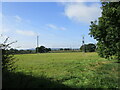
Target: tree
{"type": "Point", "coordinates": [67, 49]}
{"type": "Point", "coordinates": [48, 49]}
{"type": "Point", "coordinates": [61, 49]}
{"type": "Point", "coordinates": [8, 58]}
{"type": "Point", "coordinates": [15, 51]}
{"type": "Point", "coordinates": [88, 47]}
{"type": "Point", "coordinates": [42, 49]}
{"type": "Point", "coordinates": [107, 30]}
{"type": "Point", "coordinates": [91, 47]}
{"type": "Point", "coordinates": [83, 48]}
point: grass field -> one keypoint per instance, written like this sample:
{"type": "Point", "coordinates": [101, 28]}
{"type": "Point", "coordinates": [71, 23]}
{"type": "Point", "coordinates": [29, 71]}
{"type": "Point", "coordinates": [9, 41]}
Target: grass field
{"type": "Point", "coordinates": [70, 70]}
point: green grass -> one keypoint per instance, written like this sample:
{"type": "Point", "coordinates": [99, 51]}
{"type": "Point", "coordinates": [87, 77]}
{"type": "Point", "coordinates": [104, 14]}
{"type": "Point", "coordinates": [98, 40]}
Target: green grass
{"type": "Point", "coordinates": [73, 70]}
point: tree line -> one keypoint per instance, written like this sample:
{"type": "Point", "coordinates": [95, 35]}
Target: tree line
{"type": "Point", "coordinates": [42, 49]}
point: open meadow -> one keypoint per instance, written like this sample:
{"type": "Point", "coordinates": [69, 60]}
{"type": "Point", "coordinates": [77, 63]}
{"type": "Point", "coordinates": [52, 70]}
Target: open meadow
{"type": "Point", "coordinates": [65, 70]}
{"type": "Point", "coordinates": [60, 44]}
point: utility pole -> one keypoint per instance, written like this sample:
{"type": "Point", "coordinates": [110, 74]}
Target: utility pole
{"type": "Point", "coordinates": [83, 44]}
{"type": "Point", "coordinates": [37, 44]}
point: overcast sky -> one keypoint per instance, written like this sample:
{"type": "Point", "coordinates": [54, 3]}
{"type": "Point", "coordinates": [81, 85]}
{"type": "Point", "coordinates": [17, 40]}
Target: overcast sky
{"type": "Point", "coordinates": [58, 24]}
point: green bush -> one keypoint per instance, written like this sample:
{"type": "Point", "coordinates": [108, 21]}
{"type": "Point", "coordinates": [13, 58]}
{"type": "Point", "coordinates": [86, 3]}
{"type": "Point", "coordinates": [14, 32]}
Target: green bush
{"type": "Point", "coordinates": [8, 58]}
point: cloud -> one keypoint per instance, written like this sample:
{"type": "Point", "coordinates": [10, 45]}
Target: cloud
{"type": "Point", "coordinates": [0, 22]}
{"type": "Point", "coordinates": [63, 28]}
{"type": "Point", "coordinates": [56, 27]}
{"type": "Point", "coordinates": [1, 15]}
{"type": "Point", "coordinates": [52, 26]}
{"type": "Point", "coordinates": [82, 12]}
{"type": "Point", "coordinates": [18, 18]}
{"type": "Point", "coordinates": [26, 32]}
{"type": "Point", "coordinates": [4, 30]}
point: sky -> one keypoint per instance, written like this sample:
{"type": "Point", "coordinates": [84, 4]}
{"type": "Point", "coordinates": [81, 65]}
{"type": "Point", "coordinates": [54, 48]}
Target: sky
{"type": "Point", "coordinates": [58, 24]}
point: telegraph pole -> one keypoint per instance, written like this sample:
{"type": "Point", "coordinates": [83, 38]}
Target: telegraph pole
{"type": "Point", "coordinates": [83, 44]}
{"type": "Point", "coordinates": [37, 44]}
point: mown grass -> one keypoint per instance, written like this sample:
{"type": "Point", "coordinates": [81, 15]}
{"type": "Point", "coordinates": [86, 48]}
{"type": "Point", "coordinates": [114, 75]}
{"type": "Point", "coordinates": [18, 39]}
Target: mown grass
{"type": "Point", "coordinates": [73, 70]}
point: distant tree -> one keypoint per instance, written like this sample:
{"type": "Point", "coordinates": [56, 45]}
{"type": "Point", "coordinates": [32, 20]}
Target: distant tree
{"type": "Point", "coordinates": [61, 49]}
{"type": "Point", "coordinates": [42, 49]}
{"type": "Point", "coordinates": [15, 51]}
{"type": "Point", "coordinates": [22, 51]}
{"type": "Point", "coordinates": [83, 47]}
{"type": "Point", "coordinates": [107, 30]}
{"type": "Point", "coordinates": [67, 49]}
{"type": "Point", "coordinates": [29, 51]}
{"type": "Point", "coordinates": [88, 47]}
{"type": "Point", "coordinates": [48, 49]}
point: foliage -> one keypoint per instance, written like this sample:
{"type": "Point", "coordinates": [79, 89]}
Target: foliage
{"type": "Point", "coordinates": [8, 61]}
{"type": "Point", "coordinates": [67, 49]}
{"type": "Point", "coordinates": [8, 58]}
{"type": "Point", "coordinates": [107, 30]}
{"type": "Point", "coordinates": [75, 70]}
{"type": "Point", "coordinates": [88, 47]}
{"type": "Point", "coordinates": [15, 51]}
{"type": "Point", "coordinates": [61, 49]}
{"type": "Point", "coordinates": [42, 49]}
